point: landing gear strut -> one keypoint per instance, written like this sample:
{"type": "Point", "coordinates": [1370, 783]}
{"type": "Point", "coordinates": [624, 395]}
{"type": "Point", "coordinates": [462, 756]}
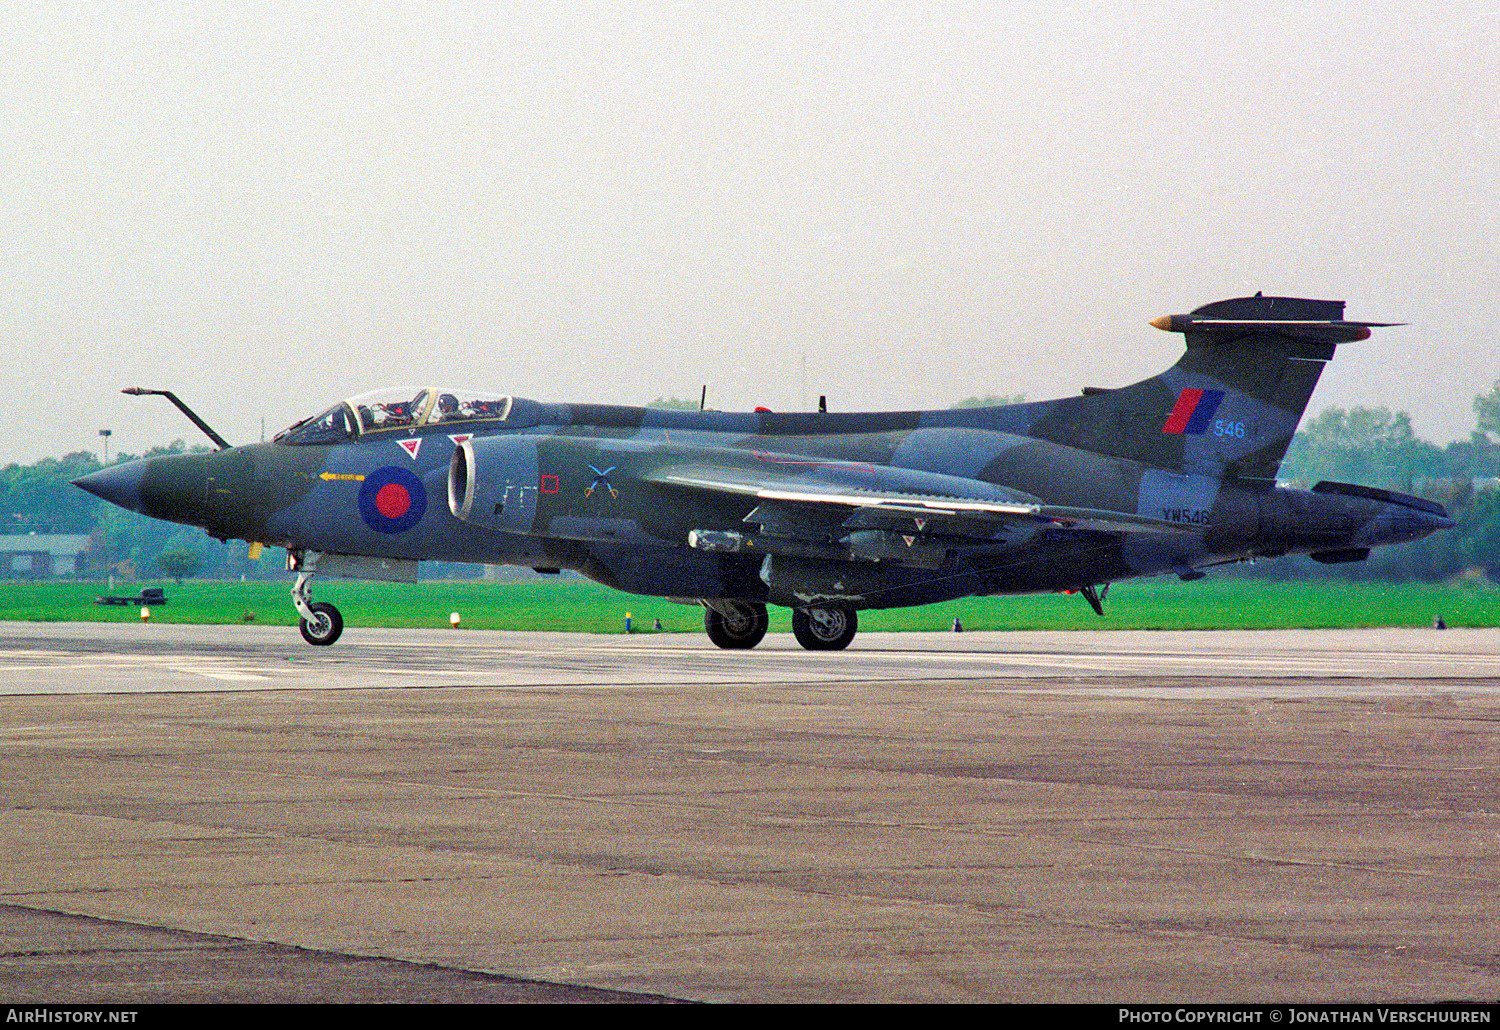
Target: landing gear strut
{"type": "Point", "coordinates": [824, 629]}
{"type": "Point", "coordinates": [735, 625]}
{"type": "Point", "coordinates": [1095, 597]}
{"type": "Point", "coordinates": [321, 623]}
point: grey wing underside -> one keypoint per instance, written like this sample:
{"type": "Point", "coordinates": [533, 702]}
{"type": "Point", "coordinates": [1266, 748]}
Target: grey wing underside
{"type": "Point", "coordinates": [872, 508]}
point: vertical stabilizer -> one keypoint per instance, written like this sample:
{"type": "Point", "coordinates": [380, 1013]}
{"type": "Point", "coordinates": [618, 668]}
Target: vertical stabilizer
{"type": "Point", "coordinates": [1230, 405]}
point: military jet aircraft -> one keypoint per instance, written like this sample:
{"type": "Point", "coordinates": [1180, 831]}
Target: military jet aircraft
{"type": "Point", "coordinates": [825, 513]}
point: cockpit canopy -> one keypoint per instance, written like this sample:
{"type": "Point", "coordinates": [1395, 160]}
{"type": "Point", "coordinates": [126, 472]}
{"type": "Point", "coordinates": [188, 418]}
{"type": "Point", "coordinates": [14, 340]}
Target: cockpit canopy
{"type": "Point", "coordinates": [383, 410]}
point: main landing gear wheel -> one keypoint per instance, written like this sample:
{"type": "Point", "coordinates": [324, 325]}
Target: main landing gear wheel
{"type": "Point", "coordinates": [325, 626]}
{"type": "Point", "coordinates": [824, 629]}
{"type": "Point", "coordinates": [738, 627]}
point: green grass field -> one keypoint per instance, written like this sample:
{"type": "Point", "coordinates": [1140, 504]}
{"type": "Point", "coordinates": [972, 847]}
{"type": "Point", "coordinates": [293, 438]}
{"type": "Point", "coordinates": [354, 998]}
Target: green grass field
{"type": "Point", "coordinates": [583, 607]}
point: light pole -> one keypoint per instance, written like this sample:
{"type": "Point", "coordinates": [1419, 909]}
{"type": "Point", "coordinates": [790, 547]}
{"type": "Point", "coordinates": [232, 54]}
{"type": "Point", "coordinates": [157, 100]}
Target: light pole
{"type": "Point", "coordinates": [106, 433]}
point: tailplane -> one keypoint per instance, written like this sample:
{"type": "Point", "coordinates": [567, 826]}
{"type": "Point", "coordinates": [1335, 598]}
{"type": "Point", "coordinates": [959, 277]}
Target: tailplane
{"type": "Point", "coordinates": [1230, 405]}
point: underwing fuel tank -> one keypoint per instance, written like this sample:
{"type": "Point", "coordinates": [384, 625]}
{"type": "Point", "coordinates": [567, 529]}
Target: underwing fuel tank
{"type": "Point", "coordinates": [866, 545]}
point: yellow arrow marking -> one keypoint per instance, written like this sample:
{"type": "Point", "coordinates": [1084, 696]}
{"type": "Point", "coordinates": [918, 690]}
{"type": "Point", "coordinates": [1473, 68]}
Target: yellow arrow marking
{"type": "Point", "coordinates": [351, 476]}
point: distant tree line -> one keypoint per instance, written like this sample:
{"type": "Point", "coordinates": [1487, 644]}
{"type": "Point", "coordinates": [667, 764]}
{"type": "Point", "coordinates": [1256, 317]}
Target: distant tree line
{"type": "Point", "coordinates": [1371, 446]}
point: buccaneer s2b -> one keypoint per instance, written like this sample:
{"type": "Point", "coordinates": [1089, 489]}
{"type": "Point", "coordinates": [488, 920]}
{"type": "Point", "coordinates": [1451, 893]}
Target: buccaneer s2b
{"type": "Point", "coordinates": [825, 513]}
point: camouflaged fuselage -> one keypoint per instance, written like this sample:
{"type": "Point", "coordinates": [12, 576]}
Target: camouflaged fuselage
{"type": "Point", "coordinates": [632, 532]}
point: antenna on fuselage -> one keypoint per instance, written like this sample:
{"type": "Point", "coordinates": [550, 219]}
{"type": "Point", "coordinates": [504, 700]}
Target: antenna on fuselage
{"type": "Point", "coordinates": [703, 399]}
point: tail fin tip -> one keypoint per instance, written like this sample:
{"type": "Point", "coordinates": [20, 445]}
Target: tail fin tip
{"type": "Point", "coordinates": [1321, 320]}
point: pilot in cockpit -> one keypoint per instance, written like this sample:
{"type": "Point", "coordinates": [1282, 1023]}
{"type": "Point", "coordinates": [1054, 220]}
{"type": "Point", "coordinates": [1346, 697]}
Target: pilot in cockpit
{"type": "Point", "coordinates": [447, 408]}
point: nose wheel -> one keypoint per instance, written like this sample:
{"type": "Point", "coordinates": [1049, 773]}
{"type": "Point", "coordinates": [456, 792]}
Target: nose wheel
{"type": "Point", "coordinates": [324, 627]}
{"type": "Point", "coordinates": [824, 629]}
{"type": "Point", "coordinates": [320, 623]}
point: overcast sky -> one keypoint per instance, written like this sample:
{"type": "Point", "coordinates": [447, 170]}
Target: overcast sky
{"type": "Point", "coordinates": [270, 206]}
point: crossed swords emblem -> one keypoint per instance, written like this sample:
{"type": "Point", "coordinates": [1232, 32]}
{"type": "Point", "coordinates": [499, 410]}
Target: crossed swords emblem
{"type": "Point", "coordinates": [602, 476]}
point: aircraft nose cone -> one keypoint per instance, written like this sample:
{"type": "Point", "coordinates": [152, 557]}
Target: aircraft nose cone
{"type": "Point", "coordinates": [117, 484]}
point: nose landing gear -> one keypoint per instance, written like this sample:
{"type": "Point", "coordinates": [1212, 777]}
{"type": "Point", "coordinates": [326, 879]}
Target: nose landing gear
{"type": "Point", "coordinates": [321, 624]}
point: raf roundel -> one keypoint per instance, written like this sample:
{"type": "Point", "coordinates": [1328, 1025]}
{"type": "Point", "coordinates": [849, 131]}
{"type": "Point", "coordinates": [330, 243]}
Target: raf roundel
{"type": "Point", "coordinates": [392, 500]}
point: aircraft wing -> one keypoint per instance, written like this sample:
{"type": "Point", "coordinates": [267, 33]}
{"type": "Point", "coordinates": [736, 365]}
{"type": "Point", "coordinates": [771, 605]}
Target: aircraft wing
{"type": "Point", "coordinates": [875, 507]}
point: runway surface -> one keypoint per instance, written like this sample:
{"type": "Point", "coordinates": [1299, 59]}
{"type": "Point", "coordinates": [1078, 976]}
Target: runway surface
{"type": "Point", "coordinates": [67, 658]}
{"type": "Point", "coordinates": [227, 814]}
